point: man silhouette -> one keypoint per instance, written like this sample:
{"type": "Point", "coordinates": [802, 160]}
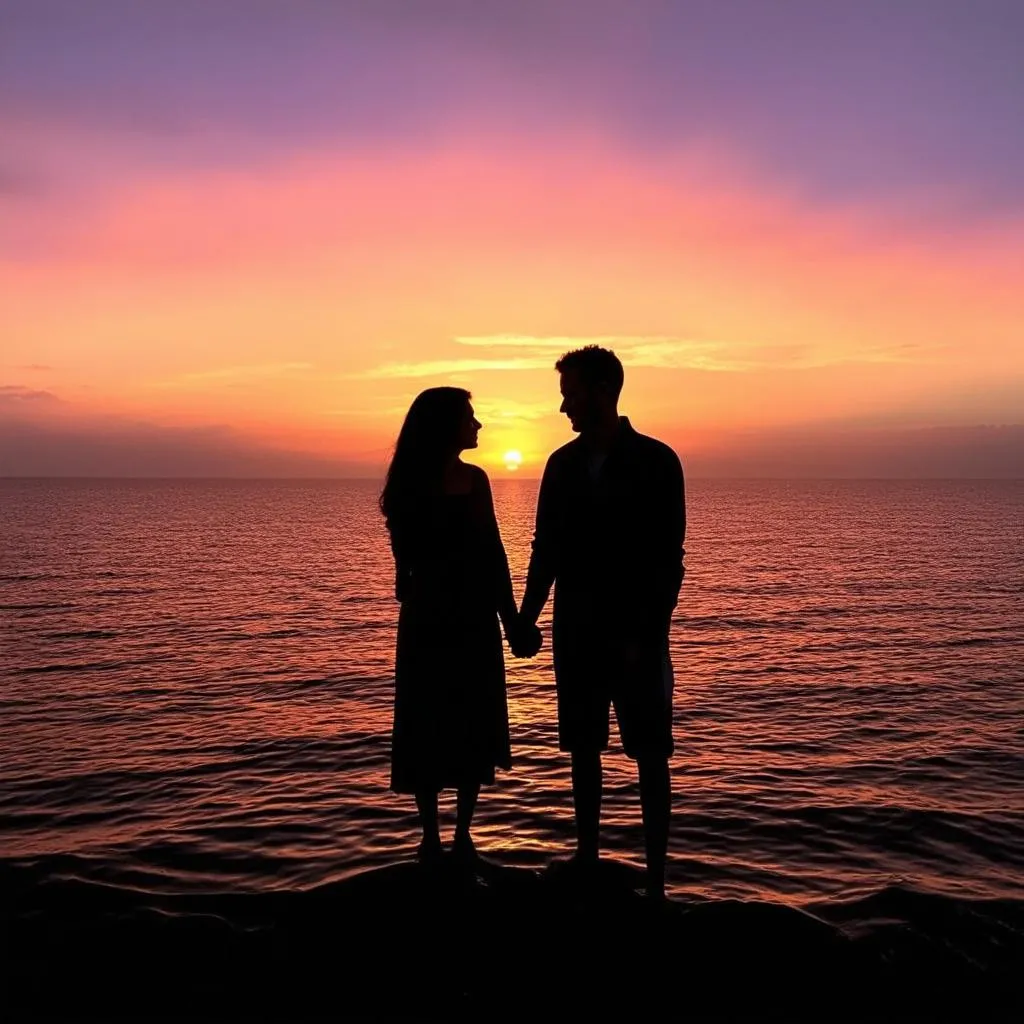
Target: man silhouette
{"type": "Point", "coordinates": [611, 519]}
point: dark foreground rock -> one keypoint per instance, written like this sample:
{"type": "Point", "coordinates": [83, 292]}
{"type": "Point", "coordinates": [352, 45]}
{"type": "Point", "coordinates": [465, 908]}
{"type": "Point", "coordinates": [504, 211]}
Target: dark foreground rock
{"type": "Point", "coordinates": [412, 942]}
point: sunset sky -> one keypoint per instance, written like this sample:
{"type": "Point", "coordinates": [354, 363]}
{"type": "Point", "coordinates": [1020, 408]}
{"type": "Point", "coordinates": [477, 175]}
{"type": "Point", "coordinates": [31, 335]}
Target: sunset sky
{"type": "Point", "coordinates": [238, 237]}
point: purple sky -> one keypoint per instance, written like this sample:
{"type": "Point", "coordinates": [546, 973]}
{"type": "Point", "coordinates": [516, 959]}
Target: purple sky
{"type": "Point", "coordinates": [904, 100]}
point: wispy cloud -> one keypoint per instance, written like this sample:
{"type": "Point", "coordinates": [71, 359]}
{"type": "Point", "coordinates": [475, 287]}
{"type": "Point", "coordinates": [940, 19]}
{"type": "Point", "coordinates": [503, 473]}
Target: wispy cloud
{"type": "Point", "coordinates": [18, 393]}
{"type": "Point", "coordinates": [673, 352]}
{"type": "Point", "coordinates": [90, 445]}
{"type": "Point", "coordinates": [518, 352]}
{"type": "Point", "coordinates": [560, 342]}
{"type": "Point", "coordinates": [659, 351]}
{"type": "Point", "coordinates": [508, 410]}
{"type": "Point", "coordinates": [451, 367]}
{"type": "Point", "coordinates": [964, 452]}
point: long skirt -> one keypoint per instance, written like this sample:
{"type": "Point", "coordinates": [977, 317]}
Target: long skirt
{"type": "Point", "coordinates": [451, 711]}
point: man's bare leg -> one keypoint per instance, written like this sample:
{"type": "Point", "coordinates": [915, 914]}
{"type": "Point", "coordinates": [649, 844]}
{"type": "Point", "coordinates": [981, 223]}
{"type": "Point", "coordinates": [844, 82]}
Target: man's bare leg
{"type": "Point", "coordinates": [586, 796]}
{"type": "Point", "coordinates": [656, 807]}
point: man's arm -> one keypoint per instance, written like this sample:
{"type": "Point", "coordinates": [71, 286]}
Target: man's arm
{"type": "Point", "coordinates": [675, 527]}
{"type": "Point", "coordinates": [667, 523]}
{"type": "Point", "coordinates": [543, 559]}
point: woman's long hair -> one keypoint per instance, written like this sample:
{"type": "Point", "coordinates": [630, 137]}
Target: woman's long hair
{"type": "Point", "coordinates": [427, 437]}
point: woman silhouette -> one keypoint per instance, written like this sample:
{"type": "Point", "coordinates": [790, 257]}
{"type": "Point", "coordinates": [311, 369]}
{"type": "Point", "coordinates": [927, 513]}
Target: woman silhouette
{"type": "Point", "coordinates": [452, 579]}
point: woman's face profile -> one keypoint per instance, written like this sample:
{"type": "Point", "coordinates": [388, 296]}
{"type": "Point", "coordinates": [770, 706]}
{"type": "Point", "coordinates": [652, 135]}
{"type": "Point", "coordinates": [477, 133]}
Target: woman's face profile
{"type": "Point", "coordinates": [469, 428]}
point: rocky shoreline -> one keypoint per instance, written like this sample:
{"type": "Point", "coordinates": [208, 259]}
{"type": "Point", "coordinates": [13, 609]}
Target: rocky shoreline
{"type": "Point", "coordinates": [498, 943]}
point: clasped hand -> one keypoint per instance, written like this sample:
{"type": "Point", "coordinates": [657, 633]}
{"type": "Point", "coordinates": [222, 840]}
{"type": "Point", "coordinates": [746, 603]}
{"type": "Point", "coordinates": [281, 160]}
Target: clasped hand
{"type": "Point", "coordinates": [524, 638]}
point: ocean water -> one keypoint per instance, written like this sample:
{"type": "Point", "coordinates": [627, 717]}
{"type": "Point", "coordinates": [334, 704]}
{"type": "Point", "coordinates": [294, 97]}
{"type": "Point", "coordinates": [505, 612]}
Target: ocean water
{"type": "Point", "coordinates": [196, 686]}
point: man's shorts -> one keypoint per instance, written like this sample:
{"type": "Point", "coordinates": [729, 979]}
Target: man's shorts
{"type": "Point", "coordinates": [591, 678]}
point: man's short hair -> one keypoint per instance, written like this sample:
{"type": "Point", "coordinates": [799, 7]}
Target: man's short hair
{"type": "Point", "coordinates": [595, 365]}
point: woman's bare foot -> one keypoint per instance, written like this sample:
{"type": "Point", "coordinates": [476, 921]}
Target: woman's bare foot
{"type": "Point", "coordinates": [429, 851]}
{"type": "Point", "coordinates": [463, 849]}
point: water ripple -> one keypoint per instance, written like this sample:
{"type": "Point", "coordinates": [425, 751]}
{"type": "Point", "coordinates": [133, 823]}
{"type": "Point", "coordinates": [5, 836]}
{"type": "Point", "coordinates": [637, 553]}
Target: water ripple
{"type": "Point", "coordinates": [196, 686]}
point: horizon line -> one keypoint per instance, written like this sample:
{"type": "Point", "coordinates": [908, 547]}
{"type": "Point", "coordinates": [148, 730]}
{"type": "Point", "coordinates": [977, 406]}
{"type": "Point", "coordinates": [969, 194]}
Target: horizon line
{"type": "Point", "coordinates": [506, 476]}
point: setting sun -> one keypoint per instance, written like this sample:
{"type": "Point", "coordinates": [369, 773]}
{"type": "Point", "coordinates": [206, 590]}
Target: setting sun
{"type": "Point", "coordinates": [513, 460]}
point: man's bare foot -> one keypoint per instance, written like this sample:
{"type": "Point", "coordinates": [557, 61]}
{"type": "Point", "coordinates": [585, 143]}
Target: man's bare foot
{"type": "Point", "coordinates": [655, 888]}
{"type": "Point", "coordinates": [576, 865]}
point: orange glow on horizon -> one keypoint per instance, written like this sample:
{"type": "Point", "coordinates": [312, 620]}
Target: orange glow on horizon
{"type": "Point", "coordinates": [305, 307]}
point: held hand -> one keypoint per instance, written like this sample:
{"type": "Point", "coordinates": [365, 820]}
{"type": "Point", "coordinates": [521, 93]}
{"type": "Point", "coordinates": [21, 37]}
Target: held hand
{"type": "Point", "coordinates": [524, 639]}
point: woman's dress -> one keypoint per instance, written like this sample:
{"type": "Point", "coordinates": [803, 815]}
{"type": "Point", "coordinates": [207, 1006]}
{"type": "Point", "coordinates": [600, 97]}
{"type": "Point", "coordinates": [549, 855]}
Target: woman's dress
{"type": "Point", "coordinates": [452, 578]}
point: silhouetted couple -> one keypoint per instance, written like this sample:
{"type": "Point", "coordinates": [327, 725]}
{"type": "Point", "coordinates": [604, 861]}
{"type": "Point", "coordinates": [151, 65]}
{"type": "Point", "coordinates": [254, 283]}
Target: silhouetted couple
{"type": "Point", "coordinates": [611, 519]}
